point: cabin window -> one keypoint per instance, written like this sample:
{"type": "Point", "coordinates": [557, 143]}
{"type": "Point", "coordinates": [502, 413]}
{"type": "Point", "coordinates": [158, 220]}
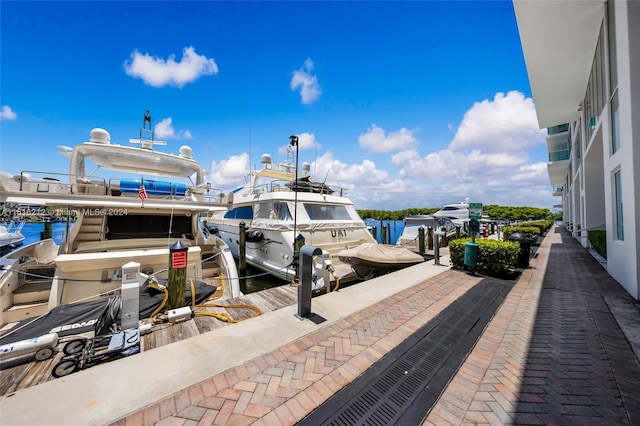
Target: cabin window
{"type": "Point", "coordinates": [277, 210]}
{"type": "Point", "coordinates": [326, 212]}
{"type": "Point", "coordinates": [244, 212]}
{"type": "Point", "coordinates": [148, 226]}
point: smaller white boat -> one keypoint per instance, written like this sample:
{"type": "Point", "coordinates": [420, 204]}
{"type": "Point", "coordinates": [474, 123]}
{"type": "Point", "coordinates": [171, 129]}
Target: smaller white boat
{"type": "Point", "coordinates": [458, 213]}
{"type": "Point", "coordinates": [412, 224]}
{"type": "Point", "coordinates": [10, 236]}
{"type": "Point", "coordinates": [370, 260]}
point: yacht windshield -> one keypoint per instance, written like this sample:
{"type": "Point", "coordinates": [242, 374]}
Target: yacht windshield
{"type": "Point", "coordinates": [326, 211]}
{"type": "Point", "coordinates": [273, 210]}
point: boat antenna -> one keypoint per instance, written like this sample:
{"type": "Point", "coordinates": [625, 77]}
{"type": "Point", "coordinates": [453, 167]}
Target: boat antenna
{"type": "Point", "coordinates": [146, 140]}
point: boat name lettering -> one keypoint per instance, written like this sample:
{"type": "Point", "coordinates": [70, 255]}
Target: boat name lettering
{"type": "Point", "coordinates": [73, 326]}
{"type": "Point", "coordinates": [105, 212]}
{"type": "Point", "coordinates": [338, 233]}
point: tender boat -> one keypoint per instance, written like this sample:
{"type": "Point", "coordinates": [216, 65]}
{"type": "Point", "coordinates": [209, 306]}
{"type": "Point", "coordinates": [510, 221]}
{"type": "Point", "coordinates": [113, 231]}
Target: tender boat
{"type": "Point", "coordinates": [278, 207]}
{"type": "Point", "coordinates": [371, 260]}
{"type": "Point", "coordinates": [10, 236]}
{"type": "Point", "coordinates": [155, 201]}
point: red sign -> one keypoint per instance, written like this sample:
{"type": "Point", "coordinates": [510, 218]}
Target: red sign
{"type": "Point", "coordinates": [179, 259]}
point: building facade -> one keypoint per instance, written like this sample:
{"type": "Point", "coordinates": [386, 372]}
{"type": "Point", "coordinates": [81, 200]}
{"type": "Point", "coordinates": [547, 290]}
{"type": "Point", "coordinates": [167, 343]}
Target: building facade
{"type": "Point", "coordinates": [583, 61]}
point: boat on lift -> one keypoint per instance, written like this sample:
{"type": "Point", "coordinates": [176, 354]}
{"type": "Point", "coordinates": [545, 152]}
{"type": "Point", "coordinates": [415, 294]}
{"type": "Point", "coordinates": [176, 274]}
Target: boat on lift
{"type": "Point", "coordinates": [412, 223]}
{"type": "Point", "coordinates": [155, 201]}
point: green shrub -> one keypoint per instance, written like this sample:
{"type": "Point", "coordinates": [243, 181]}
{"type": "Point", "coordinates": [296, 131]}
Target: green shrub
{"type": "Point", "coordinates": [530, 233]}
{"type": "Point", "coordinates": [543, 225]}
{"type": "Point", "coordinates": [598, 240]}
{"type": "Point", "coordinates": [495, 258]}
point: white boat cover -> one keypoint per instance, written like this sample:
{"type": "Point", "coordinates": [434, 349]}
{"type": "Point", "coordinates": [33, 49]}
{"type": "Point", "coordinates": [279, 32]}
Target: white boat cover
{"type": "Point", "coordinates": [382, 253]}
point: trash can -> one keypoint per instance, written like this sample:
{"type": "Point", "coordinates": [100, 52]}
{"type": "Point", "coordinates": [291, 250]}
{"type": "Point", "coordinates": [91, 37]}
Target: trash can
{"type": "Point", "coordinates": [471, 254]}
{"type": "Point", "coordinates": [525, 247]}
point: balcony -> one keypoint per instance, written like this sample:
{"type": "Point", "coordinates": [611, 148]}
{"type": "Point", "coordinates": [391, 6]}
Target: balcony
{"type": "Point", "coordinates": [558, 191]}
{"type": "Point", "coordinates": [562, 155]}
{"type": "Point", "coordinates": [560, 128]}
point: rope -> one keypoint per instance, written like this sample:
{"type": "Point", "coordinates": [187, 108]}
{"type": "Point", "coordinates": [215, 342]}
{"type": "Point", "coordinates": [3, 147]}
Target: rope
{"type": "Point", "coordinates": [155, 316]}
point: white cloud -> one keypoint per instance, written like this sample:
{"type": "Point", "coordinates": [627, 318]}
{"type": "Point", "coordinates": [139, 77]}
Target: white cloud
{"type": "Point", "coordinates": [165, 130]}
{"type": "Point", "coordinates": [305, 141]}
{"type": "Point", "coordinates": [306, 82]}
{"type": "Point", "coordinates": [230, 173]}
{"type": "Point", "coordinates": [158, 72]}
{"type": "Point", "coordinates": [375, 140]}
{"type": "Point", "coordinates": [7, 114]}
{"type": "Point", "coordinates": [506, 124]}
{"type": "Point", "coordinates": [478, 164]}
{"type": "Point", "coordinates": [488, 159]}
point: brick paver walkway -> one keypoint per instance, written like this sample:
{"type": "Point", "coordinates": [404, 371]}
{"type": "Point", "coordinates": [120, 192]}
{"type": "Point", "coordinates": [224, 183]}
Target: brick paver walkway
{"type": "Point", "coordinates": [553, 354]}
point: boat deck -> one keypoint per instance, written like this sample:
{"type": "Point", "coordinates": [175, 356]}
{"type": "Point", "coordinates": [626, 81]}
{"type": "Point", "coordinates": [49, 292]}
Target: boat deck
{"type": "Point", "coordinates": [23, 372]}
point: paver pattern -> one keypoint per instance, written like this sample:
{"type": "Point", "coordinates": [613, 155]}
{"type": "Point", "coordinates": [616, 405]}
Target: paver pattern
{"type": "Point", "coordinates": [553, 354]}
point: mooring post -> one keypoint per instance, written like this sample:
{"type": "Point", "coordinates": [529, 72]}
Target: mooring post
{"type": "Point", "coordinates": [242, 255]}
{"type": "Point", "coordinates": [177, 275]}
{"type": "Point", "coordinates": [421, 240]}
{"type": "Point", "coordinates": [48, 230]}
{"type": "Point", "coordinates": [430, 238]}
{"type": "Point", "coordinates": [436, 250]}
{"type": "Point", "coordinates": [305, 276]}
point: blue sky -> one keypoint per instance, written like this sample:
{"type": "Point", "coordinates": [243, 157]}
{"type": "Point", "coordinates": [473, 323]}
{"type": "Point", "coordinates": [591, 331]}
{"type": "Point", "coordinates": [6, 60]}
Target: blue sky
{"type": "Point", "coordinates": [406, 104]}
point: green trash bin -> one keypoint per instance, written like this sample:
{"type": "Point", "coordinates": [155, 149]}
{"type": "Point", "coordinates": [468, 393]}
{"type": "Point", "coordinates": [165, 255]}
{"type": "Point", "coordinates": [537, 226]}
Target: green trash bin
{"type": "Point", "coordinates": [470, 254]}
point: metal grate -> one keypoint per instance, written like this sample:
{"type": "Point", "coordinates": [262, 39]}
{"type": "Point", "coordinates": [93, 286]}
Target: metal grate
{"type": "Point", "coordinates": [402, 387]}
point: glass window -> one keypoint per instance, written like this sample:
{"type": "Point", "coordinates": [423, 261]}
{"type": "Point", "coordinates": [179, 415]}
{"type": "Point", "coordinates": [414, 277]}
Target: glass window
{"type": "Point", "coordinates": [611, 32]}
{"type": "Point", "coordinates": [245, 212]}
{"type": "Point", "coordinates": [275, 210]}
{"type": "Point", "coordinates": [326, 212]}
{"type": "Point", "coordinates": [619, 217]}
{"type": "Point", "coordinates": [615, 124]}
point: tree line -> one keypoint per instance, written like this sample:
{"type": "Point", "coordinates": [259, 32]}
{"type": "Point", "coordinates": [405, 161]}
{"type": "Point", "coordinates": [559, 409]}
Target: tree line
{"type": "Point", "coordinates": [492, 210]}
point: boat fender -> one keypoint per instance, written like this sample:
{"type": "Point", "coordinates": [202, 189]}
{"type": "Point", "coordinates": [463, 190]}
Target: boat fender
{"type": "Point", "coordinates": [213, 229]}
{"type": "Point", "coordinates": [254, 236]}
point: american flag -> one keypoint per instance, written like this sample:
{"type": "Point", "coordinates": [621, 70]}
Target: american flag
{"type": "Point", "coordinates": [142, 192]}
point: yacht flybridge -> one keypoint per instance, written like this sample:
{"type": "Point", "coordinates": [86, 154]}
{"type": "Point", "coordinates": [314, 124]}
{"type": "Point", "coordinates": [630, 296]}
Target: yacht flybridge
{"type": "Point", "coordinates": [145, 202]}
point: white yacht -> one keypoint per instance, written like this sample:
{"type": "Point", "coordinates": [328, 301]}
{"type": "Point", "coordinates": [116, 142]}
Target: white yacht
{"type": "Point", "coordinates": [458, 213]}
{"type": "Point", "coordinates": [412, 223]}
{"type": "Point", "coordinates": [277, 209]}
{"type": "Point", "coordinates": [10, 236]}
{"type": "Point", "coordinates": [154, 202]}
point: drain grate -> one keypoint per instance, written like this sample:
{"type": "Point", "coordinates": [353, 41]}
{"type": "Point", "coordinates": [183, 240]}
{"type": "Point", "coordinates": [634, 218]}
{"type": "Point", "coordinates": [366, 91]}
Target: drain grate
{"type": "Point", "coordinates": [402, 387]}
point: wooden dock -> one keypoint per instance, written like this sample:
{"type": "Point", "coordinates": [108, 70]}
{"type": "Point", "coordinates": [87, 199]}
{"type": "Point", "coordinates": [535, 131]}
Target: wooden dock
{"type": "Point", "coordinates": [23, 372]}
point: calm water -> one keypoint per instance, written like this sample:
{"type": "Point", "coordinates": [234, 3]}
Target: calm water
{"type": "Point", "coordinates": [31, 231]}
{"type": "Point", "coordinates": [394, 226]}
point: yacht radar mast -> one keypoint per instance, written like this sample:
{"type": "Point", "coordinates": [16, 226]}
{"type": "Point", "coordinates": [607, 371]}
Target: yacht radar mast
{"type": "Point", "coordinates": [146, 140]}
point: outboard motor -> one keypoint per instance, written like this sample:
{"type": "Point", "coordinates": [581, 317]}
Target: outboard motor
{"type": "Point", "coordinates": [254, 236]}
